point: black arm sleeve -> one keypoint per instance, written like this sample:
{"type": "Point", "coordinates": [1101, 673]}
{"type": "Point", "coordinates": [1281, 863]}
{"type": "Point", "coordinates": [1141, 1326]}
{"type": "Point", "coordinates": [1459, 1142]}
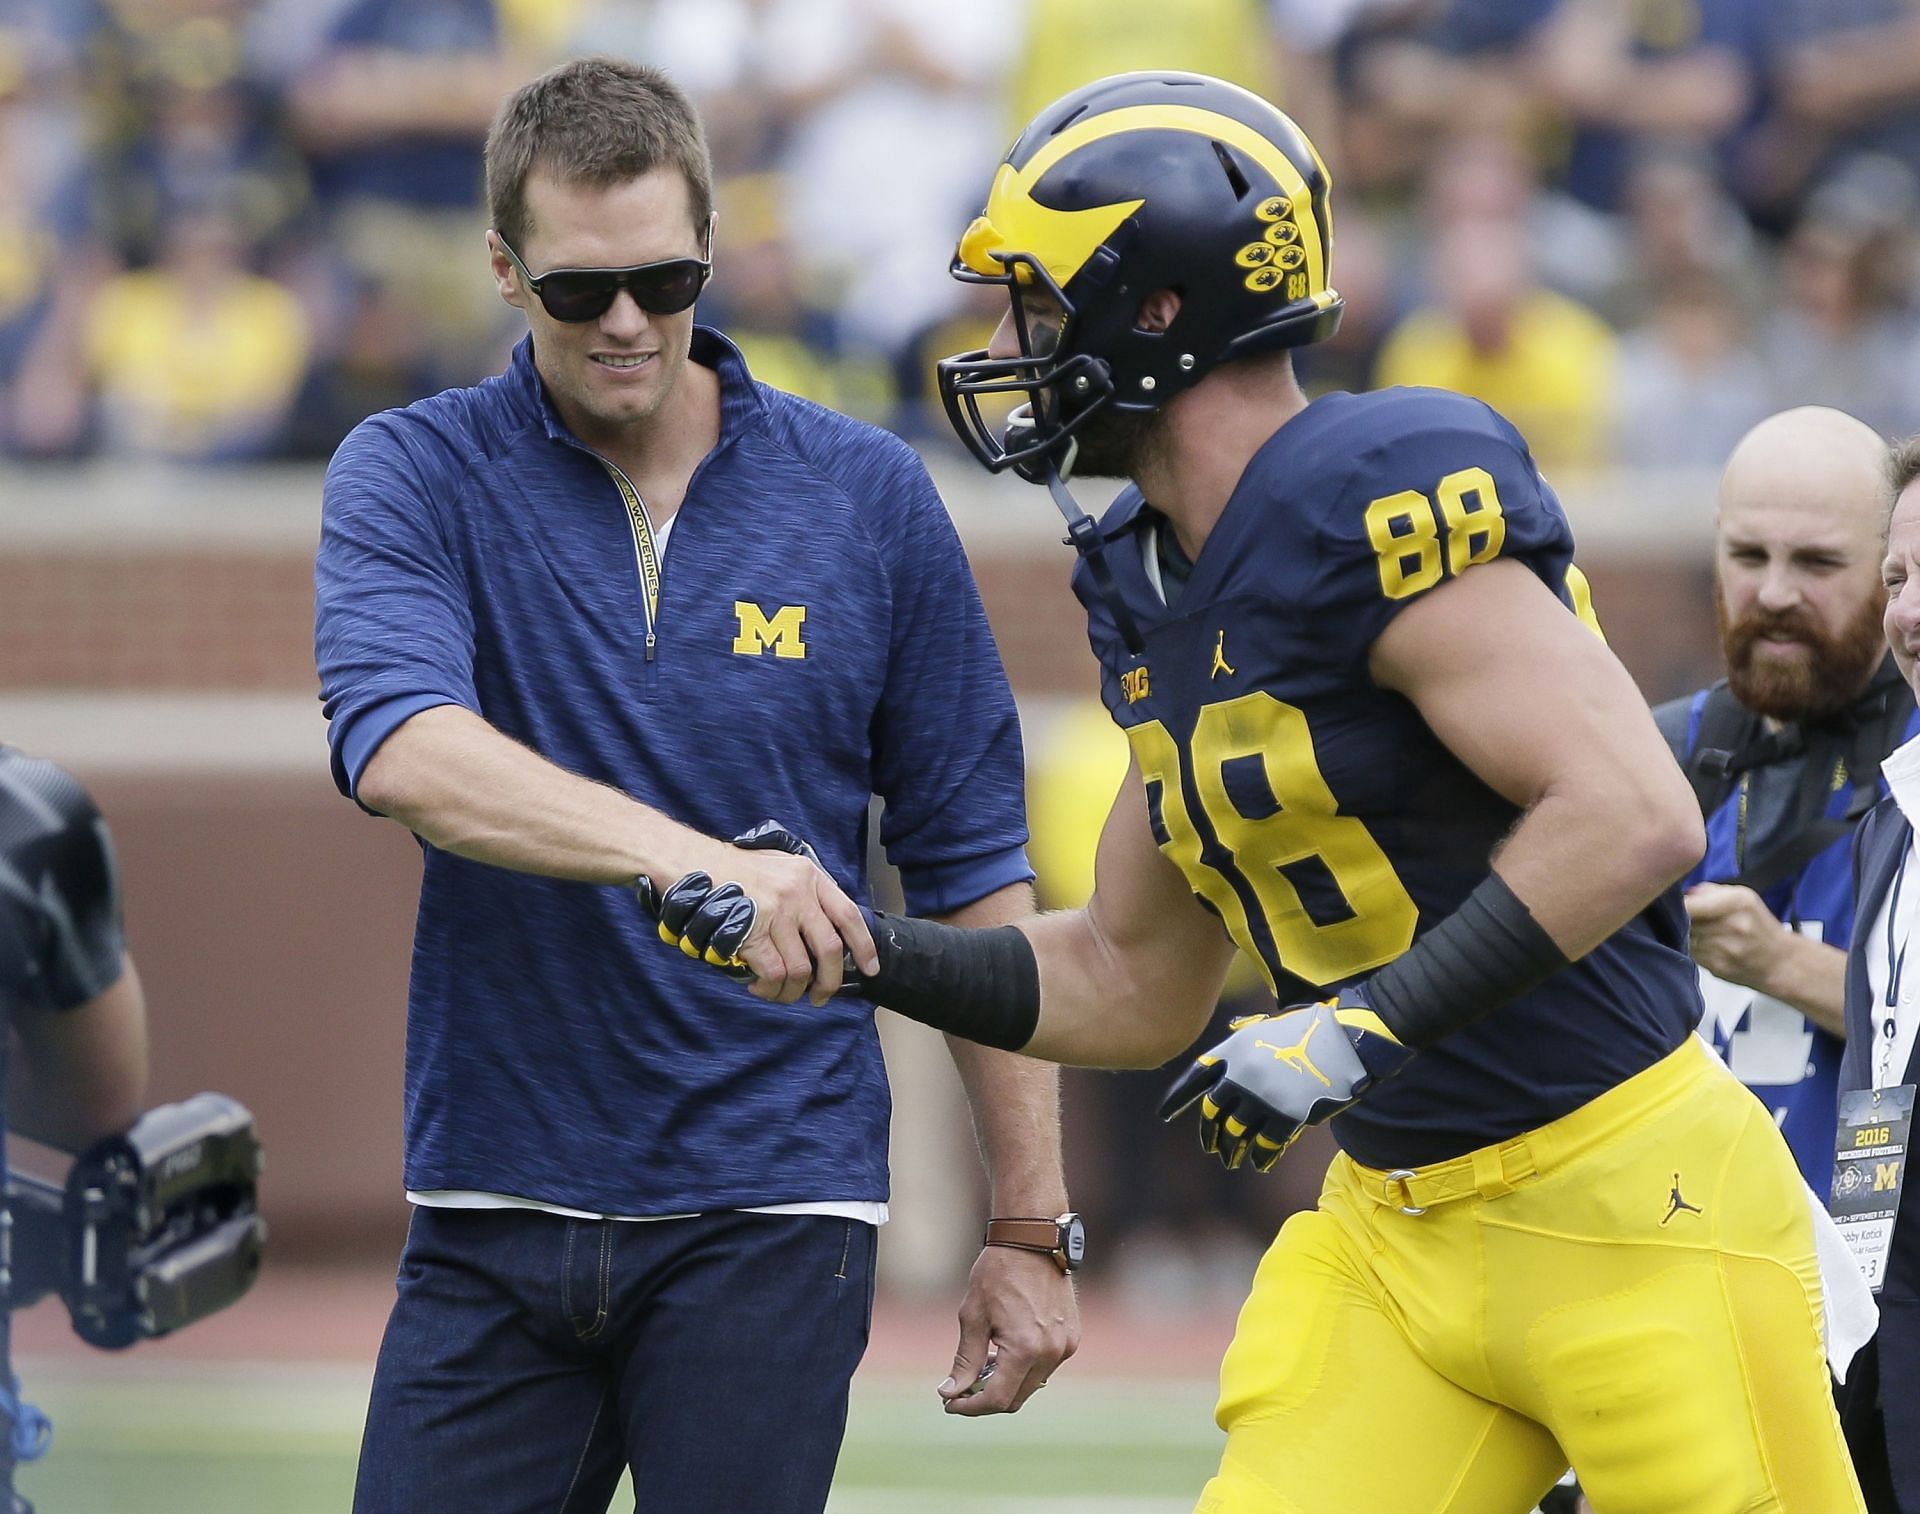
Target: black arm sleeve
{"type": "Point", "coordinates": [1485, 953]}
{"type": "Point", "coordinates": [981, 984]}
{"type": "Point", "coordinates": [61, 941]}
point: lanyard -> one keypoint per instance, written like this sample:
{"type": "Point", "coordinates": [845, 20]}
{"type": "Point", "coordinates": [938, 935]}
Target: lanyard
{"type": "Point", "coordinates": [643, 548]}
{"type": "Point", "coordinates": [1896, 966]}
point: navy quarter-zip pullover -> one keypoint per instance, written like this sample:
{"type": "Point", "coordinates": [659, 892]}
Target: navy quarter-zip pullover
{"type": "Point", "coordinates": [817, 639]}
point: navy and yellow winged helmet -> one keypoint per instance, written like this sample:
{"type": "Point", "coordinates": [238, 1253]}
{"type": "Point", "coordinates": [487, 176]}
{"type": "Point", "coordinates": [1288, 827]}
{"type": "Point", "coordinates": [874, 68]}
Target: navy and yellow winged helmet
{"type": "Point", "coordinates": [1133, 184]}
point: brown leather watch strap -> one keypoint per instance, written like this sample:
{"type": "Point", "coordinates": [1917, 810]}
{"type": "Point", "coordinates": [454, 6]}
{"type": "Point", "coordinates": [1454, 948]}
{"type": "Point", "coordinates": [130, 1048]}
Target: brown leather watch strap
{"type": "Point", "coordinates": [1025, 1234]}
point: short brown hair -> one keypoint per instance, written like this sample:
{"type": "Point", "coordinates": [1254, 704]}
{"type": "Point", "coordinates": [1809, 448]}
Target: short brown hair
{"type": "Point", "coordinates": [1903, 464]}
{"type": "Point", "coordinates": [599, 122]}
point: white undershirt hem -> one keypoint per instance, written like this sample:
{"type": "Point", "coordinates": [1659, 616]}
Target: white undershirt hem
{"type": "Point", "coordinates": [866, 1211]}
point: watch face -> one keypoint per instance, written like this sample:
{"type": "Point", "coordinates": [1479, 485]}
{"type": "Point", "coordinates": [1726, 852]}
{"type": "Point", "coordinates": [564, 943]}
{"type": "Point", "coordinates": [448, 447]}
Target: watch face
{"type": "Point", "coordinates": [1073, 1237]}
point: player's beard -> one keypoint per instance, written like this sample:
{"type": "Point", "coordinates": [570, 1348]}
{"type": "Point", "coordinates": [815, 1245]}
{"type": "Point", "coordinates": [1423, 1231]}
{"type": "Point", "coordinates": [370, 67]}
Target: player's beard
{"type": "Point", "coordinates": [1825, 679]}
{"type": "Point", "coordinates": [1117, 444]}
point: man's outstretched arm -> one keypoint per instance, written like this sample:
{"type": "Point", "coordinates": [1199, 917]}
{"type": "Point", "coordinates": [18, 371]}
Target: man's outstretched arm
{"type": "Point", "coordinates": [1127, 981]}
{"type": "Point", "coordinates": [458, 783]}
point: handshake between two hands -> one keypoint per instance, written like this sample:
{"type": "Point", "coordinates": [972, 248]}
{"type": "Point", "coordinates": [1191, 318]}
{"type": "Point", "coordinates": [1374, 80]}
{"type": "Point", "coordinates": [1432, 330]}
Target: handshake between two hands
{"type": "Point", "coordinates": [783, 927]}
{"type": "Point", "coordinates": [788, 929]}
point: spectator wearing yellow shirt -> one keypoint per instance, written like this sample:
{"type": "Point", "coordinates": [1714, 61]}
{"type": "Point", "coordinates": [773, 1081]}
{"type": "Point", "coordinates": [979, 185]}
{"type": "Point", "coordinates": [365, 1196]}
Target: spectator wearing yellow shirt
{"type": "Point", "coordinates": [1073, 772]}
{"type": "Point", "coordinates": [391, 106]}
{"type": "Point", "coordinates": [1491, 330]}
{"type": "Point", "coordinates": [1073, 42]}
{"type": "Point", "coordinates": [50, 254]}
{"type": "Point", "coordinates": [197, 358]}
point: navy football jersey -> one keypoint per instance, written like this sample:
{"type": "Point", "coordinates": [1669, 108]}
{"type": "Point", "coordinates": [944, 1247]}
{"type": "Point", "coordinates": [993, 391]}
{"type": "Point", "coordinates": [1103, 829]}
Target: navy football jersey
{"type": "Point", "coordinates": [1313, 811]}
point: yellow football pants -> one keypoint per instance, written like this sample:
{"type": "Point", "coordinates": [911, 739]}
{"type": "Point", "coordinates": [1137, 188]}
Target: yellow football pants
{"type": "Point", "coordinates": [1632, 1288]}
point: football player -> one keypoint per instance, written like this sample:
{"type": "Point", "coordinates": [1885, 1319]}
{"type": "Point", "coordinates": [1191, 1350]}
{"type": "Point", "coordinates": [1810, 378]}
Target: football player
{"type": "Point", "coordinates": [1377, 738]}
{"type": "Point", "coordinates": [73, 1022]}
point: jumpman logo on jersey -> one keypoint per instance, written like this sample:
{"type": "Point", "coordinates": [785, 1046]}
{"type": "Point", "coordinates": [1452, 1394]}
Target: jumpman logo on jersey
{"type": "Point", "coordinates": [1295, 1056]}
{"type": "Point", "coordinates": [1220, 663]}
{"type": "Point", "coordinates": [1675, 1203]}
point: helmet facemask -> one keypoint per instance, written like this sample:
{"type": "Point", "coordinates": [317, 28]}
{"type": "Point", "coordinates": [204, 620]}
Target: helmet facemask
{"type": "Point", "coordinates": [1062, 395]}
{"type": "Point", "coordinates": [1062, 389]}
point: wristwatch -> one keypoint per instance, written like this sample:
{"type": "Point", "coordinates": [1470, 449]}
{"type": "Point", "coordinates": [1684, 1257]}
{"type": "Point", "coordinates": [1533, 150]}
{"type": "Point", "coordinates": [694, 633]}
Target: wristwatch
{"type": "Point", "coordinates": [1063, 1238]}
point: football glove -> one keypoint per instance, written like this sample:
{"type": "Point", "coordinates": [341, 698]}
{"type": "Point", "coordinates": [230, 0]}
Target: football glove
{"type": "Point", "coordinates": [1277, 1074]}
{"type": "Point", "coordinates": [711, 922]}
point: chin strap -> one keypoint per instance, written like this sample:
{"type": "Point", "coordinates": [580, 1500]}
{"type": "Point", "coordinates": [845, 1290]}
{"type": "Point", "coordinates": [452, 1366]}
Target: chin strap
{"type": "Point", "coordinates": [1083, 535]}
{"type": "Point", "coordinates": [1053, 467]}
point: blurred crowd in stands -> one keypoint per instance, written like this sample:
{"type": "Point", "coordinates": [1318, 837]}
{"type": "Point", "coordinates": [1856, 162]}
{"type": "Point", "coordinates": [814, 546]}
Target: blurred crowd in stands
{"type": "Point", "coordinates": [231, 228]}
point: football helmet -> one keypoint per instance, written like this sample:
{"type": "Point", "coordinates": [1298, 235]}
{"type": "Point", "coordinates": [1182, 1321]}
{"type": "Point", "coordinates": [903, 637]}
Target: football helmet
{"type": "Point", "coordinates": [1133, 184]}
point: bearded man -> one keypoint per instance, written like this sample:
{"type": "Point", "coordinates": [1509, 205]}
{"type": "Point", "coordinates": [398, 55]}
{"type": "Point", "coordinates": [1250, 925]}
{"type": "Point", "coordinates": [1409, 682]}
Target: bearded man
{"type": "Point", "coordinates": [1784, 755]}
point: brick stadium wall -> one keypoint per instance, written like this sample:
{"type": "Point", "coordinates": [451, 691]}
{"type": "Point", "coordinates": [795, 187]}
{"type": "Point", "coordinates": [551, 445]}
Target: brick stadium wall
{"type": "Point", "coordinates": [137, 619]}
{"type": "Point", "coordinates": [272, 921]}
{"type": "Point", "coordinates": [208, 619]}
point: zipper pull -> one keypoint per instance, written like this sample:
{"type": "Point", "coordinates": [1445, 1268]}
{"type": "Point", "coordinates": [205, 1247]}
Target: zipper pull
{"type": "Point", "coordinates": [649, 646]}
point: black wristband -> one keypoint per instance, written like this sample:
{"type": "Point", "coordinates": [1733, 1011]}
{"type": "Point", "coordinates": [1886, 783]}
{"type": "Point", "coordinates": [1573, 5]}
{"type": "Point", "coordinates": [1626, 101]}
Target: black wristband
{"type": "Point", "coordinates": [1487, 952]}
{"type": "Point", "coordinates": [980, 984]}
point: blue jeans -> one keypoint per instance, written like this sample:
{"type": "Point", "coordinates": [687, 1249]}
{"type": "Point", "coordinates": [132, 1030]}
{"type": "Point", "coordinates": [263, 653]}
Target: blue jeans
{"type": "Point", "coordinates": [529, 1358]}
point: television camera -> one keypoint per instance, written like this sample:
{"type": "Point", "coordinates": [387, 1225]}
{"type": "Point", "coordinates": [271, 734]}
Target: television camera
{"type": "Point", "coordinates": [153, 1229]}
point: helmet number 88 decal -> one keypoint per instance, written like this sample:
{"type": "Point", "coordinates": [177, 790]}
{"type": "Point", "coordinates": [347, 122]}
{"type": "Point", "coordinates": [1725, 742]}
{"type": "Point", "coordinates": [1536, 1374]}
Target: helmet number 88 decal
{"type": "Point", "coordinates": [1233, 860]}
{"type": "Point", "coordinates": [1405, 528]}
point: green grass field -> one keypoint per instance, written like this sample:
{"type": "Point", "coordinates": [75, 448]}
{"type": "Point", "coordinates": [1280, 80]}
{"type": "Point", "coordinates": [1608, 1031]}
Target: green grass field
{"type": "Point", "coordinates": [273, 1440]}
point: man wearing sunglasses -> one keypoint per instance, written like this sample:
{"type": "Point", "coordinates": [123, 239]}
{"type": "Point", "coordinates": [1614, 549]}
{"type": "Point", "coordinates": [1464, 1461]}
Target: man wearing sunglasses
{"type": "Point", "coordinates": [646, 1199]}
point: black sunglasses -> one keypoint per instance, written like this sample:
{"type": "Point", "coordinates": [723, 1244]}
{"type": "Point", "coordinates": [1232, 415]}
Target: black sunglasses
{"type": "Point", "coordinates": [585, 294]}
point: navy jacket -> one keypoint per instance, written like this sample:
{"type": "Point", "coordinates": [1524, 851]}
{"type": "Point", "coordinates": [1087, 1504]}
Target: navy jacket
{"type": "Point", "coordinates": [817, 640]}
{"type": "Point", "coordinates": [1883, 838]}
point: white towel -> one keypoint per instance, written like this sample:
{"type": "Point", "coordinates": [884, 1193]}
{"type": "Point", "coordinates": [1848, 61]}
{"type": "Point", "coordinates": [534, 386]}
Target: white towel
{"type": "Point", "coordinates": [1850, 1314]}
